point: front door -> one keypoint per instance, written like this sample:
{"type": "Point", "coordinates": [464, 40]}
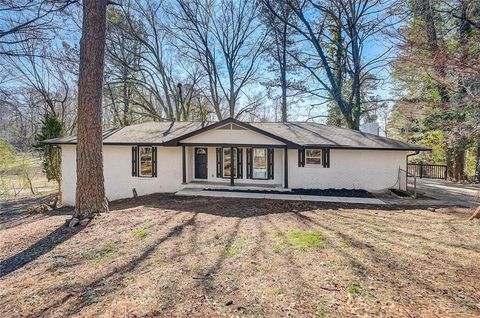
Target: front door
{"type": "Point", "coordinates": [201, 163]}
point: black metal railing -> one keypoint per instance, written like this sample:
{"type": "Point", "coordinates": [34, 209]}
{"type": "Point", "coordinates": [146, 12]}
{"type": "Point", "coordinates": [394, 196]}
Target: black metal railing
{"type": "Point", "coordinates": [424, 170]}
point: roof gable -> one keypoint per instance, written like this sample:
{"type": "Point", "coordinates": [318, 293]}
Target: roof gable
{"type": "Point", "coordinates": [234, 125]}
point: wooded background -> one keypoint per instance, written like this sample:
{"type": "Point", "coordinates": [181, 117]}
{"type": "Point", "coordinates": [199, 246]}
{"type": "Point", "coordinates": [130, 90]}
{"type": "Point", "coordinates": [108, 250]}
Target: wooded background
{"type": "Point", "coordinates": [412, 66]}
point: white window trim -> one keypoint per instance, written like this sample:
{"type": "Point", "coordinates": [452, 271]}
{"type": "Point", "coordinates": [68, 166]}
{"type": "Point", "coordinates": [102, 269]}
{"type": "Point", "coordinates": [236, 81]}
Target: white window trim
{"type": "Point", "coordinates": [140, 162]}
{"type": "Point", "coordinates": [235, 162]}
{"type": "Point", "coordinates": [314, 165]}
{"type": "Point", "coordinates": [266, 164]}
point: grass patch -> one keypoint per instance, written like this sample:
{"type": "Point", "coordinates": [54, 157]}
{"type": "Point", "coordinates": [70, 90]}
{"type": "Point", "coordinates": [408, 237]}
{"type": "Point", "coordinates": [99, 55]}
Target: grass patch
{"type": "Point", "coordinates": [344, 244]}
{"type": "Point", "coordinates": [279, 291]}
{"type": "Point", "coordinates": [298, 239]}
{"type": "Point", "coordinates": [106, 252]}
{"type": "Point", "coordinates": [140, 233]}
{"type": "Point", "coordinates": [322, 310]}
{"type": "Point", "coordinates": [90, 297]}
{"type": "Point", "coordinates": [353, 289]}
{"type": "Point", "coordinates": [234, 249]}
{"type": "Point", "coordinates": [33, 299]}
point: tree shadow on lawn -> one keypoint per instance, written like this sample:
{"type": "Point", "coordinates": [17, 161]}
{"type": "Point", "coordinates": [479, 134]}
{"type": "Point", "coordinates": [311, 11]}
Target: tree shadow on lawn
{"type": "Point", "coordinates": [14, 212]}
{"type": "Point", "coordinates": [237, 207]}
{"type": "Point", "coordinates": [409, 232]}
{"type": "Point", "coordinates": [383, 260]}
{"type": "Point", "coordinates": [39, 248]}
{"type": "Point", "coordinates": [120, 272]}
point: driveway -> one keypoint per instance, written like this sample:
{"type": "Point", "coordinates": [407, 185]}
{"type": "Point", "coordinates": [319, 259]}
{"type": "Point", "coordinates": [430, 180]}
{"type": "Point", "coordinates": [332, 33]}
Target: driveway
{"type": "Point", "coordinates": [462, 194]}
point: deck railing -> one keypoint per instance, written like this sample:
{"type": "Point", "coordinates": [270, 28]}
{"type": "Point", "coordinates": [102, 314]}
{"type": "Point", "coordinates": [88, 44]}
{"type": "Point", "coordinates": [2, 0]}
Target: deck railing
{"type": "Point", "coordinates": [423, 170]}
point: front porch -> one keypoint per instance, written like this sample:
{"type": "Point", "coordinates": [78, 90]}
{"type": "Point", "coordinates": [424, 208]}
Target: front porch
{"type": "Point", "coordinates": [238, 185]}
{"type": "Point", "coordinates": [228, 166]}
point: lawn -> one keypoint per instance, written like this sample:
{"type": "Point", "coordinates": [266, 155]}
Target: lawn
{"type": "Point", "coordinates": [166, 256]}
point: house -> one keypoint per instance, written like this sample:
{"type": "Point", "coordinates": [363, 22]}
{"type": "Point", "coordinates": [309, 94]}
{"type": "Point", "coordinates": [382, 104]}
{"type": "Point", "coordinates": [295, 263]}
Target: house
{"type": "Point", "coordinates": [169, 156]}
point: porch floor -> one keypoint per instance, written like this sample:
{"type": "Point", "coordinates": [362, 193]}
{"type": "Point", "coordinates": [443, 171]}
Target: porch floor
{"type": "Point", "coordinates": [196, 191]}
{"type": "Point", "coordinates": [196, 184]}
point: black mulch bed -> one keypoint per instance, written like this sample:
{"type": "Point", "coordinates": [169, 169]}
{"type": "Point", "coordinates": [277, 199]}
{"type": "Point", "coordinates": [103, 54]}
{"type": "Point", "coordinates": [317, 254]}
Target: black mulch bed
{"type": "Point", "coordinates": [351, 193]}
{"type": "Point", "coordinates": [400, 193]}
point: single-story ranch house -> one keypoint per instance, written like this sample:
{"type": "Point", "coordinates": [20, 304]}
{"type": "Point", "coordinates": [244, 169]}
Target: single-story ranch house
{"type": "Point", "coordinates": [168, 156]}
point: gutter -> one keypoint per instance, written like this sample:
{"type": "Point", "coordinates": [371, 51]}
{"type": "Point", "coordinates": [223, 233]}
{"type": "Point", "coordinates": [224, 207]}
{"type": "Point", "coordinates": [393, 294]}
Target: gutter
{"type": "Point", "coordinates": [408, 156]}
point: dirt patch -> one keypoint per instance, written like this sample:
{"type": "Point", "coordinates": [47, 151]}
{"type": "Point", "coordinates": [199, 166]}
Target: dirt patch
{"type": "Point", "coordinates": [351, 193]}
{"type": "Point", "coordinates": [167, 256]}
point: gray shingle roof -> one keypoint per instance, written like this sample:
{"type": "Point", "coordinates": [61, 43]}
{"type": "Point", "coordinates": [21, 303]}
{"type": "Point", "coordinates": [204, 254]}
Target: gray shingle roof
{"type": "Point", "coordinates": [315, 134]}
{"type": "Point", "coordinates": [306, 134]}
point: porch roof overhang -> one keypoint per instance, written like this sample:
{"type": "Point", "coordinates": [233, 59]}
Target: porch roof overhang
{"type": "Point", "coordinates": [226, 145]}
{"type": "Point", "coordinates": [178, 141]}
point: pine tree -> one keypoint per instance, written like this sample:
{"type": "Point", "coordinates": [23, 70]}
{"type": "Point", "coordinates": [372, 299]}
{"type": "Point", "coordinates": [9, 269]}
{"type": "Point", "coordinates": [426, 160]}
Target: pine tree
{"type": "Point", "coordinates": [52, 127]}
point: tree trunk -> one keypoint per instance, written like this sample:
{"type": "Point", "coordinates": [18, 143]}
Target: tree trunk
{"type": "Point", "coordinates": [90, 193]}
{"type": "Point", "coordinates": [459, 167]}
{"type": "Point", "coordinates": [477, 160]}
{"type": "Point", "coordinates": [283, 72]}
{"type": "Point", "coordinates": [476, 214]}
{"type": "Point", "coordinates": [60, 193]}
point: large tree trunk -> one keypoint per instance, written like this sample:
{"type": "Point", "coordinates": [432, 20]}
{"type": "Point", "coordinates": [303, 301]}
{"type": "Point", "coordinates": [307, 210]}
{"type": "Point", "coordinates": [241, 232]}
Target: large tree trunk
{"type": "Point", "coordinates": [90, 193]}
{"type": "Point", "coordinates": [477, 160]}
{"type": "Point", "coordinates": [283, 72]}
{"type": "Point", "coordinates": [459, 167]}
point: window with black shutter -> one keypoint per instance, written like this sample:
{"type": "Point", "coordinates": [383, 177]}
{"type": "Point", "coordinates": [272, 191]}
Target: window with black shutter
{"type": "Point", "coordinates": [240, 163]}
{"type": "Point", "coordinates": [326, 158]}
{"type": "Point", "coordinates": [134, 161]}
{"type": "Point", "coordinates": [319, 157]}
{"type": "Point", "coordinates": [249, 163]}
{"type": "Point", "coordinates": [301, 157]}
{"type": "Point", "coordinates": [270, 163]}
{"type": "Point", "coordinates": [219, 162]}
{"type": "Point", "coordinates": [144, 161]}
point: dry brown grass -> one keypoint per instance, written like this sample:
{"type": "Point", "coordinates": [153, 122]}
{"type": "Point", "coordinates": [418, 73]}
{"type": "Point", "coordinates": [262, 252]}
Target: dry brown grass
{"type": "Point", "coordinates": [164, 256]}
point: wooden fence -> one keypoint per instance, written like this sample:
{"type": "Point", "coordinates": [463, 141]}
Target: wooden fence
{"type": "Point", "coordinates": [423, 170]}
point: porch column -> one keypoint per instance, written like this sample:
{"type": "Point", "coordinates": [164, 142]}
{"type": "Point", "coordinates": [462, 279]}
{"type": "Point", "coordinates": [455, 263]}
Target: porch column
{"type": "Point", "coordinates": [285, 167]}
{"type": "Point", "coordinates": [184, 166]}
{"type": "Point", "coordinates": [232, 167]}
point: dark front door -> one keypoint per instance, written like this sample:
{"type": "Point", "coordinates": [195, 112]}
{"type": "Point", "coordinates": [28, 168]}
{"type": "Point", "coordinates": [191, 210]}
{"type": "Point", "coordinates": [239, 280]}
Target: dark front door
{"type": "Point", "coordinates": [201, 163]}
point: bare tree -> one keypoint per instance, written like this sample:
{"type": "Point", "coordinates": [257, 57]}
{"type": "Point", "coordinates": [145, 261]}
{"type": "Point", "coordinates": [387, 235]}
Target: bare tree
{"type": "Point", "coordinates": [90, 192]}
{"type": "Point", "coordinates": [226, 38]}
{"type": "Point", "coordinates": [26, 20]}
{"type": "Point", "coordinates": [280, 45]}
{"type": "Point", "coordinates": [344, 26]}
{"type": "Point", "coordinates": [148, 64]}
{"type": "Point", "coordinates": [123, 56]}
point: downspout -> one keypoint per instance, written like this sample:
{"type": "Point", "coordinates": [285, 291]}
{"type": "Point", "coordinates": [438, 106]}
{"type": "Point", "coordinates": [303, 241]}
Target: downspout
{"type": "Point", "coordinates": [415, 177]}
{"type": "Point", "coordinates": [409, 155]}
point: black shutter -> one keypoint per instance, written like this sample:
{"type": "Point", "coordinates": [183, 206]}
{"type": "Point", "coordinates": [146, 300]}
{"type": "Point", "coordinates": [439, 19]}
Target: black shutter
{"type": "Point", "coordinates": [270, 162]}
{"type": "Point", "coordinates": [301, 157]}
{"type": "Point", "coordinates": [154, 161]}
{"type": "Point", "coordinates": [249, 163]}
{"type": "Point", "coordinates": [134, 161]}
{"type": "Point", "coordinates": [239, 163]}
{"type": "Point", "coordinates": [219, 162]}
{"type": "Point", "coordinates": [326, 157]}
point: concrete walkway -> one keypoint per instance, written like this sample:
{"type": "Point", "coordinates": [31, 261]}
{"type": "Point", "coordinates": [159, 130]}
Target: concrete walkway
{"type": "Point", "coordinates": [276, 196]}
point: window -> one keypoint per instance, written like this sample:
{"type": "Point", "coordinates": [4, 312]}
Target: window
{"type": "Point", "coordinates": [259, 163]}
{"type": "Point", "coordinates": [146, 166]}
{"type": "Point", "coordinates": [313, 157]}
{"type": "Point", "coordinates": [227, 162]}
